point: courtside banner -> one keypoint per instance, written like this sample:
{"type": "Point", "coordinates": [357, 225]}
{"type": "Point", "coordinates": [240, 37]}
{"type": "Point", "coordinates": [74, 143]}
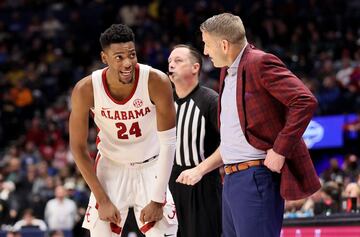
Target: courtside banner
{"type": "Point", "coordinates": [318, 231]}
{"type": "Point", "coordinates": [328, 131]}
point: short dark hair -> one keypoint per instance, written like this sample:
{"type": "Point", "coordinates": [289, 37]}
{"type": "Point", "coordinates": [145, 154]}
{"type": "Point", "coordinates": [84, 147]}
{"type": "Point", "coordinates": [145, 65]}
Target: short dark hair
{"type": "Point", "coordinates": [28, 211]}
{"type": "Point", "coordinates": [194, 53]}
{"type": "Point", "coordinates": [116, 33]}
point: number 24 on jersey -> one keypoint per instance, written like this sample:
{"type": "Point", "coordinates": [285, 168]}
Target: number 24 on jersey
{"type": "Point", "coordinates": [123, 132]}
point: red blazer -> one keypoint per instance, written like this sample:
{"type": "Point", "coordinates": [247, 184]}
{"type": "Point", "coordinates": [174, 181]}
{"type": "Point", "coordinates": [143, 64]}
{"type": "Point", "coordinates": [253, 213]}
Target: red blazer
{"type": "Point", "coordinates": [274, 108]}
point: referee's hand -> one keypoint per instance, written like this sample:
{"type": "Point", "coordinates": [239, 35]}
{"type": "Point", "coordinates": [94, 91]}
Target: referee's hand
{"type": "Point", "coordinates": [190, 176]}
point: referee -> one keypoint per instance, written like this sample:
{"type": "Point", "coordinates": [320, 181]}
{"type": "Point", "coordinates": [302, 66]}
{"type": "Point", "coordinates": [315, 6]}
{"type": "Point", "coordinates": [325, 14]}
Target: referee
{"type": "Point", "coordinates": [195, 182]}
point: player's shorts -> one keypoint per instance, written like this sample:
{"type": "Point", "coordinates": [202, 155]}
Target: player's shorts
{"type": "Point", "coordinates": [129, 185]}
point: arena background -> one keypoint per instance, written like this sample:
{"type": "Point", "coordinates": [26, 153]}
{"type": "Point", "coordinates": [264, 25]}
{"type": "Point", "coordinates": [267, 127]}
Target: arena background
{"type": "Point", "coordinates": [47, 46]}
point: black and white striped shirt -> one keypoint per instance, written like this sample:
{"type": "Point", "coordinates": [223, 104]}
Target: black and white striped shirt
{"type": "Point", "coordinates": [196, 122]}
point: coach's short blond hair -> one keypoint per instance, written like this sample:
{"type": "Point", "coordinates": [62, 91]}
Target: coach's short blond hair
{"type": "Point", "coordinates": [225, 25]}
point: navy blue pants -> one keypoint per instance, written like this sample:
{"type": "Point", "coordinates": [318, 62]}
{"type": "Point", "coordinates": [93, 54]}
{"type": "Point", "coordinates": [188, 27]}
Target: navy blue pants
{"type": "Point", "coordinates": [252, 205]}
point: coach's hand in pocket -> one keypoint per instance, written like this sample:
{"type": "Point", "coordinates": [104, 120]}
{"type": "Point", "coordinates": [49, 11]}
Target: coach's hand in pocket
{"type": "Point", "coordinates": [274, 161]}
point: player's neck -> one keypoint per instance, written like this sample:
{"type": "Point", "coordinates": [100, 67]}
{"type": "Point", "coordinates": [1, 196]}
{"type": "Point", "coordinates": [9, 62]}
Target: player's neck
{"type": "Point", "coordinates": [117, 89]}
{"type": "Point", "coordinates": [114, 82]}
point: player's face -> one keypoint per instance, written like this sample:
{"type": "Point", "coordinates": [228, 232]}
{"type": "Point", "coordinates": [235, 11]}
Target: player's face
{"type": "Point", "coordinates": [181, 65]}
{"type": "Point", "coordinates": [212, 48]}
{"type": "Point", "coordinates": [121, 58]}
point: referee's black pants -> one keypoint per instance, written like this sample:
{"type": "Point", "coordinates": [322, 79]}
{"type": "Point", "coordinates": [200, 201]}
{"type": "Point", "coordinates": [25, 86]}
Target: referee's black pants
{"type": "Point", "coordinates": [198, 207]}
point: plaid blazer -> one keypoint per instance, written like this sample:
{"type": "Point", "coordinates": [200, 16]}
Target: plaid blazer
{"type": "Point", "coordinates": [274, 108]}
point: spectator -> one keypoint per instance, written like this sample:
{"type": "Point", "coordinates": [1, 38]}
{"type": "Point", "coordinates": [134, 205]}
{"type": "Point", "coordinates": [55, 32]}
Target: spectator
{"type": "Point", "coordinates": [351, 168]}
{"type": "Point", "coordinates": [13, 234]}
{"type": "Point", "coordinates": [352, 190]}
{"type": "Point", "coordinates": [29, 221]}
{"type": "Point", "coordinates": [4, 205]}
{"type": "Point", "coordinates": [329, 199]}
{"type": "Point", "coordinates": [60, 212]}
{"type": "Point", "coordinates": [334, 172]}
{"type": "Point", "coordinates": [56, 233]}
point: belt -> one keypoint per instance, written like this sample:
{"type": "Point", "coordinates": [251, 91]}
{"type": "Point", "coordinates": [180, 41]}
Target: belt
{"type": "Point", "coordinates": [233, 168]}
{"type": "Point", "coordinates": [145, 161]}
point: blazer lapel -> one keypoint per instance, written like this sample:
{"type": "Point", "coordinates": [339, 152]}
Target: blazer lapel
{"type": "Point", "coordinates": [240, 98]}
{"type": "Point", "coordinates": [223, 73]}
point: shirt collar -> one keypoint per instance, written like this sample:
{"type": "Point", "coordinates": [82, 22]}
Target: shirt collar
{"type": "Point", "coordinates": [232, 70]}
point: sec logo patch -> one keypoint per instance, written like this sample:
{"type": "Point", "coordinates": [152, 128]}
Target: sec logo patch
{"type": "Point", "coordinates": [138, 103]}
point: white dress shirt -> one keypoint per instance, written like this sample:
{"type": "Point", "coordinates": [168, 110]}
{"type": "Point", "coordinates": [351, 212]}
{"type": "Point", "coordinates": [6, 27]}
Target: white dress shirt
{"type": "Point", "coordinates": [234, 147]}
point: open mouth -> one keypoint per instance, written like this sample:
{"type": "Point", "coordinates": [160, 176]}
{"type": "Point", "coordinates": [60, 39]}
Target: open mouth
{"type": "Point", "coordinates": [125, 73]}
{"type": "Point", "coordinates": [126, 76]}
{"type": "Point", "coordinates": [171, 75]}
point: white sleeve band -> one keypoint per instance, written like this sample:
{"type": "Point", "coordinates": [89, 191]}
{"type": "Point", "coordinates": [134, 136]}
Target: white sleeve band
{"type": "Point", "coordinates": [164, 164]}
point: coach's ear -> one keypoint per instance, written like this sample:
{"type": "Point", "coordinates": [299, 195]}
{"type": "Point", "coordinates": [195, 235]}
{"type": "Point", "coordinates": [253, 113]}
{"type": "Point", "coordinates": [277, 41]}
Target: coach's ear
{"type": "Point", "coordinates": [103, 57]}
{"type": "Point", "coordinates": [225, 45]}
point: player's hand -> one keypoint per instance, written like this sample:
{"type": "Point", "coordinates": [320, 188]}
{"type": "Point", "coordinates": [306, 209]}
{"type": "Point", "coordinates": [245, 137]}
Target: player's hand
{"type": "Point", "coordinates": [151, 212]}
{"type": "Point", "coordinates": [108, 212]}
{"type": "Point", "coordinates": [274, 161]}
{"type": "Point", "coordinates": [190, 176]}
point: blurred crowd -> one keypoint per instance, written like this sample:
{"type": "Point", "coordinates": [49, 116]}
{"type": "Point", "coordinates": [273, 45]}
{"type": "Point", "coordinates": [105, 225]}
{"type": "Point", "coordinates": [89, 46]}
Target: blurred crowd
{"type": "Point", "coordinates": [47, 46]}
{"type": "Point", "coordinates": [340, 192]}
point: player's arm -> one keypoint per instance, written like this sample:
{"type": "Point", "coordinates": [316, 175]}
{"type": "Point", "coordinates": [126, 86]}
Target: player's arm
{"type": "Point", "coordinates": [81, 101]}
{"type": "Point", "coordinates": [161, 95]}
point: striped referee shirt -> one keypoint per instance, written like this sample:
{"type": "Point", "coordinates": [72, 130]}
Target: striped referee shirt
{"type": "Point", "coordinates": [197, 134]}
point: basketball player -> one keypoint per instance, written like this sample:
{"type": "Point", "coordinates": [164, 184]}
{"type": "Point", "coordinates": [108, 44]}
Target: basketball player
{"type": "Point", "coordinates": [136, 140]}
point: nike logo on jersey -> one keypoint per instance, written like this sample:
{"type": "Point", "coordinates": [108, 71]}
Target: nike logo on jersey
{"type": "Point", "coordinates": [165, 235]}
{"type": "Point", "coordinates": [124, 115]}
